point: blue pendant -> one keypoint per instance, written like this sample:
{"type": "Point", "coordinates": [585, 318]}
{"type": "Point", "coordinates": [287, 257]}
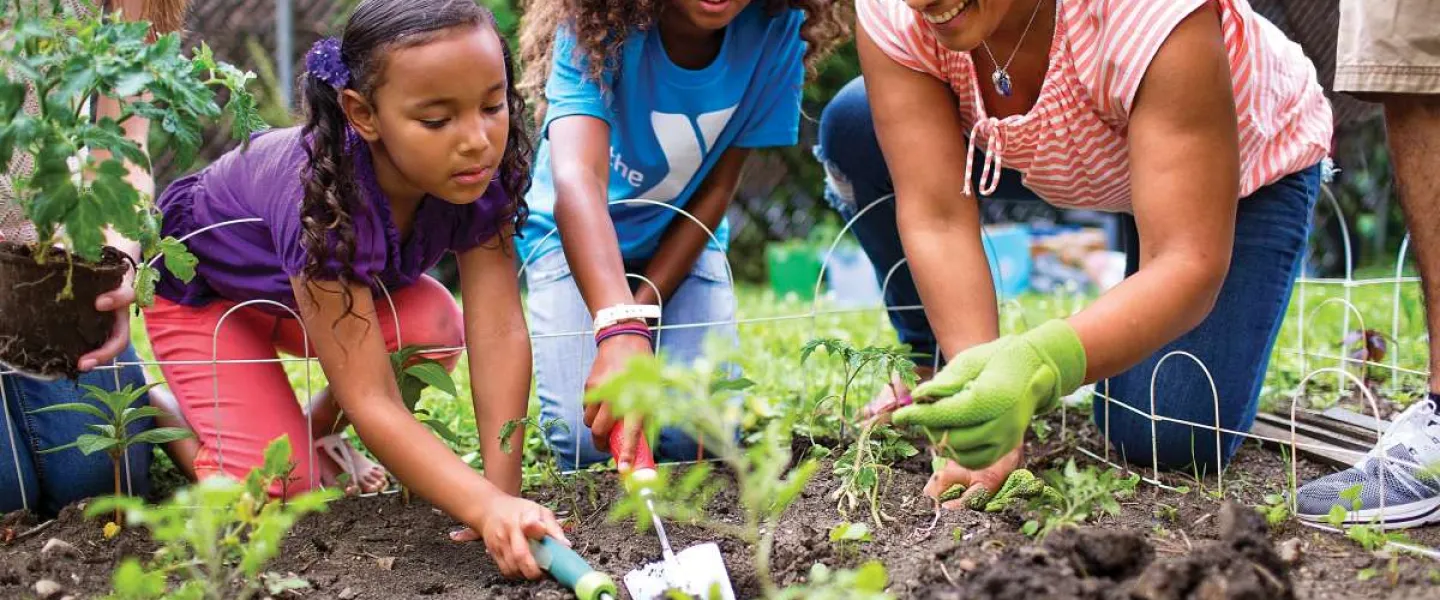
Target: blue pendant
{"type": "Point", "coordinates": [1001, 79]}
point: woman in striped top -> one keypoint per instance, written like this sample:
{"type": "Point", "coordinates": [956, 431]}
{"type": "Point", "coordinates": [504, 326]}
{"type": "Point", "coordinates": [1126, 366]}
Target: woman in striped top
{"type": "Point", "coordinates": [1196, 116]}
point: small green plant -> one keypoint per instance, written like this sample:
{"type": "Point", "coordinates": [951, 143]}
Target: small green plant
{"type": "Point", "coordinates": [413, 373]}
{"type": "Point", "coordinates": [541, 468]}
{"type": "Point", "coordinates": [1371, 536]}
{"type": "Point", "coordinates": [67, 61]}
{"type": "Point", "coordinates": [823, 583]}
{"type": "Point", "coordinates": [1276, 510]}
{"type": "Point", "coordinates": [1167, 512]}
{"type": "Point", "coordinates": [867, 459]}
{"type": "Point", "coordinates": [112, 434]}
{"type": "Point", "coordinates": [847, 537]}
{"type": "Point", "coordinates": [699, 398]}
{"type": "Point", "coordinates": [1074, 495]}
{"type": "Point", "coordinates": [216, 536]}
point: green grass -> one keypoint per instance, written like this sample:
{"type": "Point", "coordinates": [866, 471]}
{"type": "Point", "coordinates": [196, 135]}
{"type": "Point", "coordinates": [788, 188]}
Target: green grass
{"type": "Point", "coordinates": [771, 353]}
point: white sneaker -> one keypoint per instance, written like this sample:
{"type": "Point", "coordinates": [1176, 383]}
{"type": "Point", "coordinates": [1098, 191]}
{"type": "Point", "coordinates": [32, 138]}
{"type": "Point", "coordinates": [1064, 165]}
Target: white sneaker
{"type": "Point", "coordinates": [1395, 472]}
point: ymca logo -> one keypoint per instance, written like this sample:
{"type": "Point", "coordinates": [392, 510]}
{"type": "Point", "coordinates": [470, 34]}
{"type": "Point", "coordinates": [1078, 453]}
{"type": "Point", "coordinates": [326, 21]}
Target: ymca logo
{"type": "Point", "coordinates": [684, 143]}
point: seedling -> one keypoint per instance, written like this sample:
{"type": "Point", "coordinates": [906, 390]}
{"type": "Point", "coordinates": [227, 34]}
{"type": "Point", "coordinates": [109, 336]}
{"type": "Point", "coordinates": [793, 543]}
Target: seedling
{"type": "Point", "coordinates": [541, 467]}
{"type": "Point", "coordinates": [1074, 495]}
{"type": "Point", "coordinates": [699, 399]}
{"type": "Point", "coordinates": [868, 458]}
{"type": "Point", "coordinates": [1371, 536]}
{"type": "Point", "coordinates": [413, 373]}
{"type": "Point", "coordinates": [865, 583]}
{"type": "Point", "coordinates": [847, 537]}
{"type": "Point", "coordinates": [112, 435]}
{"type": "Point", "coordinates": [1276, 510]}
{"type": "Point", "coordinates": [216, 536]}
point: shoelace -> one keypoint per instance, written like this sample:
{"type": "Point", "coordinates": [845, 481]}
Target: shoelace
{"type": "Point", "coordinates": [1400, 433]}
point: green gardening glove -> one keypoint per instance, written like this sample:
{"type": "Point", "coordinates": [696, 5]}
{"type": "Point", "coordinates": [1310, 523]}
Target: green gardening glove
{"type": "Point", "coordinates": [977, 408]}
{"type": "Point", "coordinates": [1020, 486]}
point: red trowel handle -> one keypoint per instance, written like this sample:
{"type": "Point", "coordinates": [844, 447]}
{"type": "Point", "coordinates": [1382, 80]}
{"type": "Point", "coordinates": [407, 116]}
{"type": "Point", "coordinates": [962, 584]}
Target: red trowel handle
{"type": "Point", "coordinates": [644, 459]}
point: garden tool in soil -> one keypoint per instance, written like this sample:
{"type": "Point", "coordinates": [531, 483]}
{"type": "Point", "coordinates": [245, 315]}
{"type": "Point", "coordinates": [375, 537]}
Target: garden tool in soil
{"type": "Point", "coordinates": [697, 570]}
{"type": "Point", "coordinates": [572, 571]}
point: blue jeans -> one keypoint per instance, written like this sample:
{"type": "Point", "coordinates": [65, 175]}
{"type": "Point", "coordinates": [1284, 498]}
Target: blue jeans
{"type": "Point", "coordinates": [562, 362]}
{"type": "Point", "coordinates": [1234, 341]}
{"type": "Point", "coordinates": [48, 482]}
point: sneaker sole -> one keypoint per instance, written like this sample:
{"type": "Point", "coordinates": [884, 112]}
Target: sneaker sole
{"type": "Point", "coordinates": [1399, 516]}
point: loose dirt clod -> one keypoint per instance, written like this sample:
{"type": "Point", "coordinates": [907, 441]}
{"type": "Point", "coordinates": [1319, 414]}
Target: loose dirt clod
{"type": "Point", "coordinates": [59, 547]}
{"type": "Point", "coordinates": [47, 589]}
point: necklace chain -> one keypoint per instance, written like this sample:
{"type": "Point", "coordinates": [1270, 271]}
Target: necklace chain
{"type": "Point", "coordinates": [1001, 77]}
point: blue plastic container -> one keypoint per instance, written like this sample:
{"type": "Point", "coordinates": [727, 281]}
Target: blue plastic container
{"type": "Point", "coordinates": [1007, 247]}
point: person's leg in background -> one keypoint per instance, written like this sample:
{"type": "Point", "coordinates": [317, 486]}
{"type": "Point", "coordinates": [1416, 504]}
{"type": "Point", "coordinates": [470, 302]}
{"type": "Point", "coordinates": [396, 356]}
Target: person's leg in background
{"type": "Point", "coordinates": [1234, 343]}
{"type": "Point", "coordinates": [424, 314]}
{"type": "Point", "coordinates": [564, 349]}
{"type": "Point", "coordinates": [48, 482]}
{"type": "Point", "coordinates": [705, 296]}
{"type": "Point", "coordinates": [1387, 52]}
{"type": "Point", "coordinates": [855, 178]}
{"type": "Point", "coordinates": [235, 409]}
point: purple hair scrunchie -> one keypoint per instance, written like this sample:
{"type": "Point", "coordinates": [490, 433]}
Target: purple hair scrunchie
{"type": "Point", "coordinates": [324, 63]}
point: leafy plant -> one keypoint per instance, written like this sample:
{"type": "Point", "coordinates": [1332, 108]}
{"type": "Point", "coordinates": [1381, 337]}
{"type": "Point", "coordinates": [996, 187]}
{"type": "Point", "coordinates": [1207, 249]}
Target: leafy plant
{"type": "Point", "coordinates": [542, 469]}
{"type": "Point", "coordinates": [847, 537]}
{"type": "Point", "coordinates": [413, 373]}
{"type": "Point", "coordinates": [699, 399]}
{"type": "Point", "coordinates": [1276, 510]}
{"type": "Point", "coordinates": [869, 456]}
{"type": "Point", "coordinates": [216, 536]}
{"type": "Point", "coordinates": [865, 583]}
{"type": "Point", "coordinates": [1371, 536]}
{"type": "Point", "coordinates": [67, 61]}
{"type": "Point", "coordinates": [112, 434]}
{"type": "Point", "coordinates": [1074, 495]}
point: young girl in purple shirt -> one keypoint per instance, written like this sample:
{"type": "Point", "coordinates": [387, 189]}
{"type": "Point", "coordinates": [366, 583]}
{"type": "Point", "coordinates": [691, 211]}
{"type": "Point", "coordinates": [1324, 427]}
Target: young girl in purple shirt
{"type": "Point", "coordinates": [414, 146]}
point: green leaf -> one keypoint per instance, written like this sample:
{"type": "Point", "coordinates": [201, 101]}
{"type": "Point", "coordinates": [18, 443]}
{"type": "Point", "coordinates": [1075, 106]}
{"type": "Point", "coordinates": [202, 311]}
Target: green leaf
{"type": "Point", "coordinates": [277, 457]}
{"type": "Point", "coordinates": [434, 374]}
{"type": "Point", "coordinates": [507, 429]}
{"type": "Point", "coordinates": [731, 385]}
{"type": "Point", "coordinates": [1030, 528]}
{"type": "Point", "coordinates": [79, 407]}
{"type": "Point", "coordinates": [90, 443]}
{"type": "Point", "coordinates": [132, 582]}
{"type": "Point", "coordinates": [59, 448]}
{"type": "Point", "coordinates": [178, 259]}
{"type": "Point", "coordinates": [850, 532]}
{"type": "Point", "coordinates": [161, 435]}
{"type": "Point", "coordinates": [132, 415]}
{"type": "Point", "coordinates": [145, 280]}
{"type": "Point", "coordinates": [872, 577]}
{"type": "Point", "coordinates": [443, 430]}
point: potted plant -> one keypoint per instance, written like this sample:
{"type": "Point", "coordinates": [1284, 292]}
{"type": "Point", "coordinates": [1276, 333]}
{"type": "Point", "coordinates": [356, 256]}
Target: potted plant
{"type": "Point", "coordinates": [48, 287]}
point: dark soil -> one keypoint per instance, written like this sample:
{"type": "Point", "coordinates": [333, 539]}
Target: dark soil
{"type": "Point", "coordinates": [41, 332]}
{"type": "Point", "coordinates": [1163, 545]}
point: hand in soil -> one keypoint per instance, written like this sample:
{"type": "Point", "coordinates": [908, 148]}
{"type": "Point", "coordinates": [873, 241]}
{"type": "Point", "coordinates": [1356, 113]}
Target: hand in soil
{"type": "Point", "coordinates": [117, 301]}
{"type": "Point", "coordinates": [977, 482]}
{"type": "Point", "coordinates": [507, 527]}
{"type": "Point", "coordinates": [611, 357]}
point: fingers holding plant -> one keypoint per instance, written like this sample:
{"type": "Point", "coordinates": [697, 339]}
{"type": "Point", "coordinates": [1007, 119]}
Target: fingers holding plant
{"type": "Point", "coordinates": [977, 409]}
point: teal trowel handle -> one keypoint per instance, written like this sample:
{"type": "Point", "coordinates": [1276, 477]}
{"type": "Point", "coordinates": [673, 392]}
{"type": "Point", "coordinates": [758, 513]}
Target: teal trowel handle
{"type": "Point", "coordinates": [572, 571]}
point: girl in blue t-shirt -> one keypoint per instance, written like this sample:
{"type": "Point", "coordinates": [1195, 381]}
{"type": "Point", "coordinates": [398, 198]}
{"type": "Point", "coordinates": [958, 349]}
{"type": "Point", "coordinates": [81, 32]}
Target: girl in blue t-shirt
{"type": "Point", "coordinates": [649, 108]}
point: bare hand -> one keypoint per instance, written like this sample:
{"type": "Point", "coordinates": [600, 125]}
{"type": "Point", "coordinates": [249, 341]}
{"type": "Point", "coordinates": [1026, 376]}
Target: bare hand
{"type": "Point", "coordinates": [117, 301]}
{"type": "Point", "coordinates": [610, 358]}
{"type": "Point", "coordinates": [507, 528]}
{"type": "Point", "coordinates": [990, 478]}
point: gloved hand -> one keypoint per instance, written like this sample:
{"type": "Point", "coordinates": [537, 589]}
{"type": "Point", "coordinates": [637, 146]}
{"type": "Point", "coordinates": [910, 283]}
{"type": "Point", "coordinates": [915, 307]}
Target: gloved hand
{"type": "Point", "coordinates": [977, 408]}
{"type": "Point", "coordinates": [1020, 486]}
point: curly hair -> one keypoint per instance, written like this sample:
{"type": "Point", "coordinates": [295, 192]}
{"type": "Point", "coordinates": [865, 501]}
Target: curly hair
{"type": "Point", "coordinates": [601, 26]}
{"type": "Point", "coordinates": [331, 193]}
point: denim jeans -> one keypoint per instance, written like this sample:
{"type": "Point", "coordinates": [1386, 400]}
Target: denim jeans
{"type": "Point", "coordinates": [1234, 342]}
{"type": "Point", "coordinates": [45, 483]}
{"type": "Point", "coordinates": [562, 362]}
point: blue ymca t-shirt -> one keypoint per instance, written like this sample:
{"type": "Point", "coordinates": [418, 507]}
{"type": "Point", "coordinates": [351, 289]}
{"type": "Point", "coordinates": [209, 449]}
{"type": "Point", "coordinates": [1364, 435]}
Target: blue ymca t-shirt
{"type": "Point", "coordinates": [669, 125]}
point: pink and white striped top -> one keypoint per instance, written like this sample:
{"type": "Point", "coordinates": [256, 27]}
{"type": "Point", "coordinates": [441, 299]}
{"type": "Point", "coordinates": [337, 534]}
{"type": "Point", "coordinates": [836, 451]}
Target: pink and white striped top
{"type": "Point", "coordinates": [1071, 147]}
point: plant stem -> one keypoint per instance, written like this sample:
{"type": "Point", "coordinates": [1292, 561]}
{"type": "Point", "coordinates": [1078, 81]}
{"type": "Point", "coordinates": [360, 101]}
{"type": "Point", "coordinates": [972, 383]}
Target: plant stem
{"type": "Point", "coordinates": [116, 462]}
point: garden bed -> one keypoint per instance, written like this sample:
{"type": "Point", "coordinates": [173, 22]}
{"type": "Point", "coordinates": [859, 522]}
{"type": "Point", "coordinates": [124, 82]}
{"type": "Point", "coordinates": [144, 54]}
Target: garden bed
{"type": "Point", "coordinates": [1162, 545]}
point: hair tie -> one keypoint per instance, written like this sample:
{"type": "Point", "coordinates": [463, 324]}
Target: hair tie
{"type": "Point", "coordinates": [323, 61]}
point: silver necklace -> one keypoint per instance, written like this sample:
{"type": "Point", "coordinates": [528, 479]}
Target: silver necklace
{"type": "Point", "coordinates": [1001, 77]}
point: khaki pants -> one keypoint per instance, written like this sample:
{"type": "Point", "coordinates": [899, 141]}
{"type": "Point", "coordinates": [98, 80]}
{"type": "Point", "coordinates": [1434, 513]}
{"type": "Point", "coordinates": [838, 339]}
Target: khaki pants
{"type": "Point", "coordinates": [1389, 46]}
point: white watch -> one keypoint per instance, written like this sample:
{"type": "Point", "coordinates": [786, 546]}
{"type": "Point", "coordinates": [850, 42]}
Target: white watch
{"type": "Point", "coordinates": [624, 312]}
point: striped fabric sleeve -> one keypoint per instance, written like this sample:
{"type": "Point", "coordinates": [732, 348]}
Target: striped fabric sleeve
{"type": "Point", "coordinates": [1133, 31]}
{"type": "Point", "coordinates": [896, 29]}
